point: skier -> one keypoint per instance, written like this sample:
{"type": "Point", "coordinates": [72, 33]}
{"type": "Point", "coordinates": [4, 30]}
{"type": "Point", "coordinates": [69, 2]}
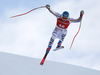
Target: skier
{"type": "Point", "coordinates": [60, 31]}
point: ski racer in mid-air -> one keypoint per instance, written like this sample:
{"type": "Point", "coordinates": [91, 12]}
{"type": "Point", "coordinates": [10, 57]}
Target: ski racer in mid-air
{"type": "Point", "coordinates": [60, 31]}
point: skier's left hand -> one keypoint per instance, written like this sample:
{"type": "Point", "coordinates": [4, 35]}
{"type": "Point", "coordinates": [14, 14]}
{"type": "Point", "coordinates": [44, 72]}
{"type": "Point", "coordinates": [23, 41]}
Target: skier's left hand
{"type": "Point", "coordinates": [81, 13]}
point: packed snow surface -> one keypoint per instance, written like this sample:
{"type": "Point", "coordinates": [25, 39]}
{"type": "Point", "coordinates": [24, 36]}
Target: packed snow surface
{"type": "Point", "coordinates": [11, 64]}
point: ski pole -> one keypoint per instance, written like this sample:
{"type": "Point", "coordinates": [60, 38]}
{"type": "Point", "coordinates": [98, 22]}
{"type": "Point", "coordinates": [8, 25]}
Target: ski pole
{"type": "Point", "coordinates": [76, 35]}
{"type": "Point", "coordinates": [27, 12]}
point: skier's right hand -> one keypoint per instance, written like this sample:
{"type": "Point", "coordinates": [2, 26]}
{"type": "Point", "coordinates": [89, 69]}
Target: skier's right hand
{"type": "Point", "coordinates": [47, 6]}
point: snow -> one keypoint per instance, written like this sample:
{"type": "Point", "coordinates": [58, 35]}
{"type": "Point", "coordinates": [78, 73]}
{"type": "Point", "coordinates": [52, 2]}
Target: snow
{"type": "Point", "coordinates": [11, 64]}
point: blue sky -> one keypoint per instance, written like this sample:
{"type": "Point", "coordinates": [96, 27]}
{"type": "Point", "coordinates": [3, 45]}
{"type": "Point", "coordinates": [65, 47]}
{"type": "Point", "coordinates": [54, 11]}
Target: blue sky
{"type": "Point", "coordinates": [29, 35]}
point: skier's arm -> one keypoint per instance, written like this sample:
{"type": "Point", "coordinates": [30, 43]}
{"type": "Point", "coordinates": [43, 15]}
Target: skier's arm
{"type": "Point", "coordinates": [53, 12]}
{"type": "Point", "coordinates": [79, 19]}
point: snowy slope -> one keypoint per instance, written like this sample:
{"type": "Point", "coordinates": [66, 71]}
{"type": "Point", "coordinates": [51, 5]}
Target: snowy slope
{"type": "Point", "coordinates": [11, 64]}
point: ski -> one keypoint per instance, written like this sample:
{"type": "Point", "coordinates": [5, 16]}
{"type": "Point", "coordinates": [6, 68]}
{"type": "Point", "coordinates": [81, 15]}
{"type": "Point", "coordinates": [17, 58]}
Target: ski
{"type": "Point", "coordinates": [43, 60]}
{"type": "Point", "coordinates": [58, 48]}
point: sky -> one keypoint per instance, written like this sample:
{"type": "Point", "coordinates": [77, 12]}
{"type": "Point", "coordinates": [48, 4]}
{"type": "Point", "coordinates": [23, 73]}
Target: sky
{"type": "Point", "coordinates": [29, 35]}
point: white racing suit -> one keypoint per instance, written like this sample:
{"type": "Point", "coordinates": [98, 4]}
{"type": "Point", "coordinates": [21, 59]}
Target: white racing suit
{"type": "Point", "coordinates": [60, 31]}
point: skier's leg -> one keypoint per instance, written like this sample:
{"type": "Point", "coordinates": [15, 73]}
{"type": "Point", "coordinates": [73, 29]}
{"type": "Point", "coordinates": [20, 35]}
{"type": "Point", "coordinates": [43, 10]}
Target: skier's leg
{"type": "Point", "coordinates": [50, 45]}
{"type": "Point", "coordinates": [47, 50]}
{"type": "Point", "coordinates": [59, 43]}
{"type": "Point", "coordinates": [61, 40]}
